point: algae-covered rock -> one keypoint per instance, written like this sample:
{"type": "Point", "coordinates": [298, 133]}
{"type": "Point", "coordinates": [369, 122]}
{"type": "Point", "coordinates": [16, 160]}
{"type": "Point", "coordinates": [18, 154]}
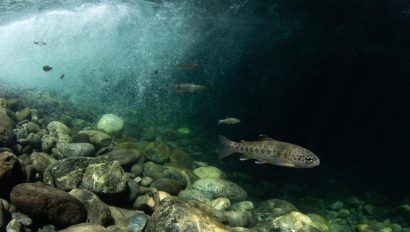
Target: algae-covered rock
{"type": "Point", "coordinates": [97, 175]}
{"type": "Point", "coordinates": [214, 188]}
{"type": "Point", "coordinates": [76, 149]}
{"type": "Point", "coordinates": [110, 123]}
{"type": "Point", "coordinates": [209, 172]}
{"type": "Point", "coordinates": [176, 215]}
{"type": "Point", "coordinates": [59, 131]}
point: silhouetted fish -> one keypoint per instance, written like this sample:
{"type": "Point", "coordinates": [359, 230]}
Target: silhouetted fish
{"type": "Point", "coordinates": [47, 68]}
{"type": "Point", "coordinates": [270, 151]}
{"type": "Point", "coordinates": [229, 121]}
{"type": "Point", "coordinates": [40, 43]}
{"type": "Point", "coordinates": [62, 76]}
{"type": "Point", "coordinates": [188, 87]}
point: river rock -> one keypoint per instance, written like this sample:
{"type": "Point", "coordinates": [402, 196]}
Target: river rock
{"type": "Point", "coordinates": [209, 172]}
{"type": "Point", "coordinates": [14, 226]}
{"type": "Point", "coordinates": [48, 204]}
{"type": "Point", "coordinates": [221, 203]}
{"type": "Point", "coordinates": [167, 185]}
{"type": "Point", "coordinates": [23, 114]}
{"type": "Point", "coordinates": [293, 221]}
{"type": "Point", "coordinates": [126, 157]}
{"type": "Point", "coordinates": [76, 149]}
{"type": "Point", "coordinates": [158, 152]}
{"type": "Point", "coordinates": [192, 194]}
{"type": "Point", "coordinates": [175, 214]}
{"type": "Point", "coordinates": [41, 161]}
{"type": "Point", "coordinates": [97, 138]}
{"type": "Point", "coordinates": [6, 128]}
{"type": "Point", "coordinates": [137, 222]}
{"type": "Point", "coordinates": [149, 134]}
{"type": "Point", "coordinates": [110, 123]}
{"type": "Point", "coordinates": [59, 131]}
{"type": "Point", "coordinates": [180, 158]}
{"type": "Point", "coordinates": [95, 174]}
{"type": "Point", "coordinates": [85, 227]}
{"type": "Point", "coordinates": [153, 170]}
{"type": "Point", "coordinates": [47, 143]}
{"type": "Point", "coordinates": [243, 206]}
{"type": "Point", "coordinates": [274, 208]}
{"type": "Point", "coordinates": [31, 127]}
{"type": "Point", "coordinates": [10, 172]}
{"type": "Point", "coordinates": [214, 188]}
{"type": "Point", "coordinates": [238, 218]}
{"type": "Point", "coordinates": [97, 211]}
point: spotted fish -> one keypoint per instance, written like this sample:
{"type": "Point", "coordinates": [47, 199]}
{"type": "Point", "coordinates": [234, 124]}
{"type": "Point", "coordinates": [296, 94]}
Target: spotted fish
{"type": "Point", "coordinates": [271, 151]}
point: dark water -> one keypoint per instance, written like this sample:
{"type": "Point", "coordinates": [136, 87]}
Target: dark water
{"type": "Point", "coordinates": [331, 76]}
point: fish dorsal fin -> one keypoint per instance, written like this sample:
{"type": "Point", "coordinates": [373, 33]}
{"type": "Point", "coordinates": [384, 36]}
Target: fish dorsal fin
{"type": "Point", "coordinates": [263, 137]}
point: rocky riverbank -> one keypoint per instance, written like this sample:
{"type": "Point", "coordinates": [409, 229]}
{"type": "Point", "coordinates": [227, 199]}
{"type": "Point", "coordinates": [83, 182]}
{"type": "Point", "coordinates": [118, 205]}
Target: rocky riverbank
{"type": "Point", "coordinates": [73, 174]}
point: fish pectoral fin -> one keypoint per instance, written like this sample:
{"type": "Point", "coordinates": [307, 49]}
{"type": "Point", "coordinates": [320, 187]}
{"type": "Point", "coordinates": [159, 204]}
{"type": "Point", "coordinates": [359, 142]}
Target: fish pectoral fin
{"type": "Point", "coordinates": [263, 137]}
{"type": "Point", "coordinates": [243, 158]}
{"type": "Point", "coordinates": [260, 162]}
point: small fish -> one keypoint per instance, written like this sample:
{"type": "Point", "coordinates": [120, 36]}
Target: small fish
{"type": "Point", "coordinates": [271, 151]}
{"type": "Point", "coordinates": [62, 76]}
{"type": "Point", "coordinates": [188, 66]}
{"type": "Point", "coordinates": [229, 121]}
{"type": "Point", "coordinates": [188, 87]}
{"type": "Point", "coordinates": [40, 43]}
{"type": "Point", "coordinates": [47, 68]}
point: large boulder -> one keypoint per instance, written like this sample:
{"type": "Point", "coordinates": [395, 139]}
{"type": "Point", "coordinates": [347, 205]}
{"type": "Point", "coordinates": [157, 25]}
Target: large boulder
{"type": "Point", "coordinates": [6, 128]}
{"type": "Point", "coordinates": [110, 123]}
{"type": "Point", "coordinates": [95, 174]}
{"type": "Point", "coordinates": [48, 204]}
{"type": "Point", "coordinates": [176, 215]}
{"type": "Point", "coordinates": [215, 188]}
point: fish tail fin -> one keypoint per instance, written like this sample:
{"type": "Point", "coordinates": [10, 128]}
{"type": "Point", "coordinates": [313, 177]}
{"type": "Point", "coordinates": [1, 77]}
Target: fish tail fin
{"type": "Point", "coordinates": [219, 122]}
{"type": "Point", "coordinates": [226, 150]}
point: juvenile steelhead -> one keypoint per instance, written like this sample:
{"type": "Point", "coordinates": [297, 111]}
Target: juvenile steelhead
{"type": "Point", "coordinates": [271, 151]}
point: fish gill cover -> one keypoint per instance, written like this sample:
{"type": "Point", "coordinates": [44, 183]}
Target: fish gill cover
{"type": "Point", "coordinates": [120, 53]}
